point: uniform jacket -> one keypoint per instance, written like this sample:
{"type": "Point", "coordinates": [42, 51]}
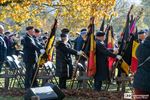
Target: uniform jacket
{"type": "Point", "coordinates": [102, 70]}
{"type": "Point", "coordinates": [142, 76]}
{"type": "Point", "coordinates": [30, 49]}
{"type": "Point", "coordinates": [64, 66]}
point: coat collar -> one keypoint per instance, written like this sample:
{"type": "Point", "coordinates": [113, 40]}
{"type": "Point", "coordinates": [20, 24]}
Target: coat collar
{"type": "Point", "coordinates": [28, 35]}
{"type": "Point", "coordinates": [102, 42]}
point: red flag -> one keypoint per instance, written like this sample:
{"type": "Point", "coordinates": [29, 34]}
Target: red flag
{"type": "Point", "coordinates": [134, 62]}
{"type": "Point", "coordinates": [91, 68]}
{"type": "Point", "coordinates": [110, 45]}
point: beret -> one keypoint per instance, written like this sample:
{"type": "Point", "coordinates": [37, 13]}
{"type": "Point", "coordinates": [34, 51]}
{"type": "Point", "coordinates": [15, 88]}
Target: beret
{"type": "Point", "coordinates": [141, 32]}
{"type": "Point", "coordinates": [100, 33]}
{"type": "Point", "coordinates": [63, 35]}
{"type": "Point", "coordinates": [29, 28]}
{"type": "Point", "coordinates": [65, 30]}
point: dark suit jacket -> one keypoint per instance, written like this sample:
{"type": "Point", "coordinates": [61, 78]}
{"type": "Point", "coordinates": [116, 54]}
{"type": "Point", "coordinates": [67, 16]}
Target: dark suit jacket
{"type": "Point", "coordinates": [102, 53]}
{"type": "Point", "coordinates": [63, 59]}
{"type": "Point", "coordinates": [30, 49]}
{"type": "Point", "coordinates": [142, 76]}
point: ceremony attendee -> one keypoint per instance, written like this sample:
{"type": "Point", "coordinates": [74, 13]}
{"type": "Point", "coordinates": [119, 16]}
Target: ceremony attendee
{"type": "Point", "coordinates": [9, 39]}
{"type": "Point", "coordinates": [3, 47]}
{"type": "Point", "coordinates": [36, 37]}
{"type": "Point", "coordinates": [141, 36]}
{"type": "Point", "coordinates": [64, 67]}
{"type": "Point", "coordinates": [30, 50]}
{"type": "Point", "coordinates": [142, 76]}
{"type": "Point", "coordinates": [66, 31]}
{"type": "Point", "coordinates": [80, 40]}
{"type": "Point", "coordinates": [102, 53]}
{"type": "Point", "coordinates": [79, 46]}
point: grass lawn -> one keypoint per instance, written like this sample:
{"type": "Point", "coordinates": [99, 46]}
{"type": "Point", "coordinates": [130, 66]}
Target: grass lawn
{"type": "Point", "coordinates": [10, 98]}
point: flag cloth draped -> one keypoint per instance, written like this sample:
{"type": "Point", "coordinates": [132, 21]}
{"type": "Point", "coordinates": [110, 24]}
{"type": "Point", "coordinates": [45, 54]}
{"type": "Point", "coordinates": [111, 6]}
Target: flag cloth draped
{"type": "Point", "coordinates": [126, 45]}
{"type": "Point", "coordinates": [134, 63]}
{"type": "Point", "coordinates": [135, 45]}
{"type": "Point", "coordinates": [110, 44]}
{"type": "Point", "coordinates": [49, 46]}
{"type": "Point", "coordinates": [126, 57]}
{"type": "Point", "coordinates": [91, 68]}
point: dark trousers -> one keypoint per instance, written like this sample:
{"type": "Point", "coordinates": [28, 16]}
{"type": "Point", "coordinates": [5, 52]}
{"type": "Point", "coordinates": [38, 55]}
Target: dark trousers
{"type": "Point", "coordinates": [62, 82]}
{"type": "Point", "coordinates": [97, 85]}
{"type": "Point", "coordinates": [29, 74]}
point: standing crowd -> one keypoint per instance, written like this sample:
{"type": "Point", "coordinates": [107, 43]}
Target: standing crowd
{"type": "Point", "coordinates": [33, 46]}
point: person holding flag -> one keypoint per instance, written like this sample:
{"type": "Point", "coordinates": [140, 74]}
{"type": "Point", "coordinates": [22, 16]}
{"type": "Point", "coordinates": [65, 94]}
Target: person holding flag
{"type": "Point", "coordinates": [102, 70]}
{"type": "Point", "coordinates": [30, 50]}
{"type": "Point", "coordinates": [142, 76]}
{"type": "Point", "coordinates": [141, 36]}
{"type": "Point", "coordinates": [64, 67]}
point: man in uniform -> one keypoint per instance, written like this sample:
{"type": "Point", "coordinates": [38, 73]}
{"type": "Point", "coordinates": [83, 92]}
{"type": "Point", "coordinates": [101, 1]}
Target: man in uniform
{"type": "Point", "coordinates": [66, 31]}
{"type": "Point", "coordinates": [64, 67]}
{"type": "Point", "coordinates": [30, 57]}
{"type": "Point", "coordinates": [102, 70]}
{"type": "Point", "coordinates": [141, 36]}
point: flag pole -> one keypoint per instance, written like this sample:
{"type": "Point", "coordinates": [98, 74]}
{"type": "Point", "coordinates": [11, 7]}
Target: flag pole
{"type": "Point", "coordinates": [130, 31]}
{"type": "Point", "coordinates": [118, 62]}
{"type": "Point", "coordinates": [84, 55]}
{"type": "Point", "coordinates": [43, 57]}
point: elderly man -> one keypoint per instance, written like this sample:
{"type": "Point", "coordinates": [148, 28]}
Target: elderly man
{"type": "Point", "coordinates": [142, 76]}
{"type": "Point", "coordinates": [102, 71]}
{"type": "Point", "coordinates": [64, 67]}
{"type": "Point", "coordinates": [3, 47]}
{"type": "Point", "coordinates": [141, 36]}
{"type": "Point", "coordinates": [31, 50]}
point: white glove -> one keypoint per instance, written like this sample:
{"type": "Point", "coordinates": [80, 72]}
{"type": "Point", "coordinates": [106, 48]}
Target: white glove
{"type": "Point", "coordinates": [79, 53]}
{"type": "Point", "coordinates": [42, 51]}
{"type": "Point", "coordinates": [119, 57]}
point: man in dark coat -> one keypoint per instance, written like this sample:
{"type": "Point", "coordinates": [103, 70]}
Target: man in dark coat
{"type": "Point", "coordinates": [80, 40]}
{"type": "Point", "coordinates": [66, 31]}
{"type": "Point", "coordinates": [30, 57]}
{"type": "Point", "coordinates": [3, 47]}
{"type": "Point", "coordinates": [9, 39]}
{"type": "Point", "coordinates": [64, 67]}
{"type": "Point", "coordinates": [141, 81]}
{"type": "Point", "coordinates": [36, 37]}
{"type": "Point", "coordinates": [141, 36]}
{"type": "Point", "coordinates": [102, 70]}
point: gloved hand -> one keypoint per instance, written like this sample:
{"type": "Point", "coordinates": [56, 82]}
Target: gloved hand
{"type": "Point", "coordinates": [119, 57]}
{"type": "Point", "coordinates": [115, 50]}
{"type": "Point", "coordinates": [42, 51]}
{"type": "Point", "coordinates": [80, 53]}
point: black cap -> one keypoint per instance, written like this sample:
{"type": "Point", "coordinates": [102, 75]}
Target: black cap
{"type": "Point", "coordinates": [63, 35]}
{"type": "Point", "coordinates": [29, 28]}
{"type": "Point", "coordinates": [84, 29]}
{"type": "Point", "coordinates": [7, 33]}
{"type": "Point", "coordinates": [100, 33]}
{"type": "Point", "coordinates": [44, 37]}
{"type": "Point", "coordinates": [141, 32]}
{"type": "Point", "coordinates": [37, 30]}
{"type": "Point", "coordinates": [65, 30]}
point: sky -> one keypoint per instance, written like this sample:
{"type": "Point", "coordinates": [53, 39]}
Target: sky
{"type": "Point", "coordinates": [137, 2]}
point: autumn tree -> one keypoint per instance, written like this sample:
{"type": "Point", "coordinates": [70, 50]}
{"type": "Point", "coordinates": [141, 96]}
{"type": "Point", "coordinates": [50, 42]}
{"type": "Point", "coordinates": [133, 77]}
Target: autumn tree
{"type": "Point", "coordinates": [73, 14]}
